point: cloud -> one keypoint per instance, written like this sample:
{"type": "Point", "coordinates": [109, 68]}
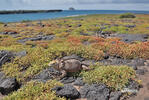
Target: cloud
{"type": "Point", "coordinates": [111, 1]}
{"type": "Point", "coordinates": [79, 4]}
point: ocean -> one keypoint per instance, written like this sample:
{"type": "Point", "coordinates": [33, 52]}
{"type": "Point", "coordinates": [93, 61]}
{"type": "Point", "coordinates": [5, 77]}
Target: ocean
{"type": "Point", "coordinates": [41, 16]}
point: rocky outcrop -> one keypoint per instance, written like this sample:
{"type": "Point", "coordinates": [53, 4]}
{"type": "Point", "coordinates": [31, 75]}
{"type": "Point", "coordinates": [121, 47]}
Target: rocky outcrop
{"type": "Point", "coordinates": [129, 38]}
{"type": "Point", "coordinates": [95, 92]}
{"type": "Point", "coordinates": [47, 74]}
{"type": "Point", "coordinates": [8, 33]}
{"type": "Point", "coordinates": [67, 91]}
{"type": "Point", "coordinates": [5, 56]}
{"type": "Point", "coordinates": [8, 85]}
{"type": "Point", "coordinates": [37, 38]}
{"type": "Point", "coordinates": [92, 91]}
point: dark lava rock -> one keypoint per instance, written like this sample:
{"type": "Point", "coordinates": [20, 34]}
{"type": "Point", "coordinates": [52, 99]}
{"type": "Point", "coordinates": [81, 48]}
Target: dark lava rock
{"type": "Point", "coordinates": [5, 56]}
{"type": "Point", "coordinates": [115, 61]}
{"type": "Point", "coordinates": [23, 40]}
{"type": "Point", "coordinates": [48, 37]}
{"type": "Point", "coordinates": [47, 74]}
{"type": "Point", "coordinates": [8, 33]}
{"type": "Point", "coordinates": [7, 85]}
{"type": "Point", "coordinates": [130, 26]}
{"type": "Point", "coordinates": [128, 38]}
{"type": "Point", "coordinates": [37, 38]}
{"type": "Point", "coordinates": [73, 57]}
{"type": "Point", "coordinates": [137, 62]}
{"type": "Point", "coordinates": [85, 34]}
{"type": "Point", "coordinates": [67, 80]}
{"type": "Point", "coordinates": [141, 71]}
{"type": "Point", "coordinates": [67, 91]}
{"type": "Point", "coordinates": [79, 82]}
{"type": "Point", "coordinates": [134, 63]}
{"type": "Point", "coordinates": [95, 92]}
{"type": "Point", "coordinates": [115, 95]}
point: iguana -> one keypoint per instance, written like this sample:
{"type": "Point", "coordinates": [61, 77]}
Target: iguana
{"type": "Point", "coordinates": [68, 65]}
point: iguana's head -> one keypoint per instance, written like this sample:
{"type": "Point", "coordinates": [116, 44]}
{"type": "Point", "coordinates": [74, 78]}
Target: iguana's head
{"type": "Point", "coordinates": [57, 64]}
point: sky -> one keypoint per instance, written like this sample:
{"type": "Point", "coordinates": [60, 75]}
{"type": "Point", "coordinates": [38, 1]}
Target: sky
{"type": "Point", "coordinates": [77, 4]}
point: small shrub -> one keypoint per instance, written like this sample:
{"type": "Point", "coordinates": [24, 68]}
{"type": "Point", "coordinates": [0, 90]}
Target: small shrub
{"type": "Point", "coordinates": [115, 77]}
{"type": "Point", "coordinates": [127, 15]}
{"type": "Point", "coordinates": [35, 91]}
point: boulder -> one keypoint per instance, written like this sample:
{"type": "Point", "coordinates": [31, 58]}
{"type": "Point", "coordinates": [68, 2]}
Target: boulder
{"type": "Point", "coordinates": [5, 56]}
{"type": "Point", "coordinates": [67, 91]}
{"type": "Point", "coordinates": [8, 85]}
{"type": "Point", "coordinates": [95, 92]}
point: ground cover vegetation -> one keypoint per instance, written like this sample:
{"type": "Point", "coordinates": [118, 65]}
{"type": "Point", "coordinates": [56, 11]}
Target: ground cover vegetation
{"type": "Point", "coordinates": [73, 35]}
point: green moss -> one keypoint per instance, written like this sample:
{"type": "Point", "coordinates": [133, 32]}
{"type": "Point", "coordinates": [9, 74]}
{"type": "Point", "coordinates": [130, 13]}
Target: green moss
{"type": "Point", "coordinates": [36, 91]}
{"type": "Point", "coordinates": [27, 66]}
{"type": "Point", "coordinates": [115, 77]}
{"type": "Point", "coordinates": [117, 29]}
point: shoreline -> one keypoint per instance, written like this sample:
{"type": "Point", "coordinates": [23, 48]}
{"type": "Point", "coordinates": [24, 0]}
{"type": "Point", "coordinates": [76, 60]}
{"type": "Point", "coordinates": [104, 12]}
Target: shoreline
{"type": "Point", "coordinates": [65, 17]}
{"type": "Point", "coordinates": [14, 17]}
{"type": "Point", "coordinates": [27, 11]}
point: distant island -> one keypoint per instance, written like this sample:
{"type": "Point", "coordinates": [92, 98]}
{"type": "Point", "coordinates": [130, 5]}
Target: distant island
{"type": "Point", "coordinates": [71, 8]}
{"type": "Point", "coordinates": [27, 11]}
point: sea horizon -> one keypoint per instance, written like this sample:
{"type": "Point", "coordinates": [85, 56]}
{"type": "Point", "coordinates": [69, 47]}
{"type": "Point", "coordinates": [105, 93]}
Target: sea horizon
{"type": "Point", "coordinates": [6, 18]}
